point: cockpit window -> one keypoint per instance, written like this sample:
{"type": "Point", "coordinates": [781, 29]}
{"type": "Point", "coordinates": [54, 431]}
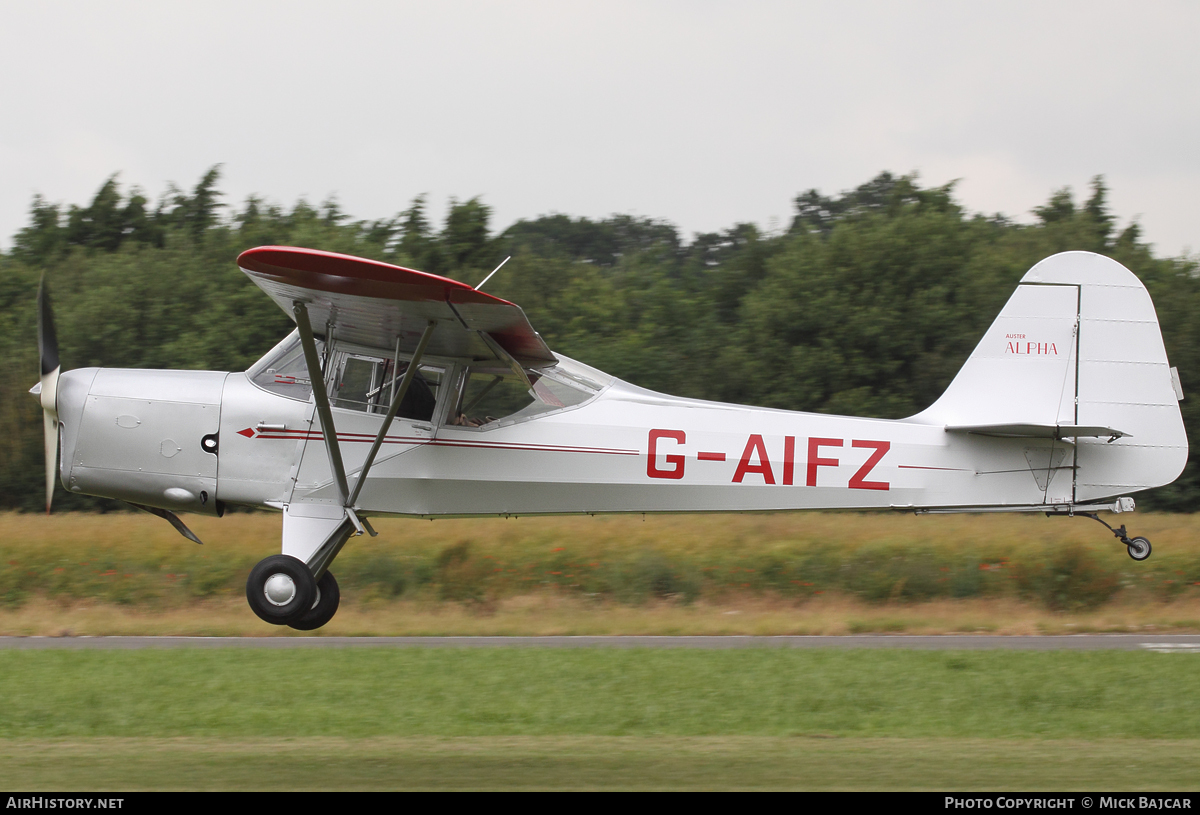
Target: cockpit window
{"type": "Point", "coordinates": [490, 396]}
{"type": "Point", "coordinates": [283, 370]}
{"type": "Point", "coordinates": [483, 396]}
{"type": "Point", "coordinates": [366, 383]}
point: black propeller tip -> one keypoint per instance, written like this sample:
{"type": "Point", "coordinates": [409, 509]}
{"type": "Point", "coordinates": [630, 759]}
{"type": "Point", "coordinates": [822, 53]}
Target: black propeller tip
{"type": "Point", "coordinates": [47, 339]}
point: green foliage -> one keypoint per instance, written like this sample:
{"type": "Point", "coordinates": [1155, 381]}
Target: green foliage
{"type": "Point", "coordinates": [491, 564]}
{"type": "Point", "coordinates": [1070, 581]}
{"type": "Point", "coordinates": [867, 305]}
{"type": "Point", "coordinates": [459, 575]}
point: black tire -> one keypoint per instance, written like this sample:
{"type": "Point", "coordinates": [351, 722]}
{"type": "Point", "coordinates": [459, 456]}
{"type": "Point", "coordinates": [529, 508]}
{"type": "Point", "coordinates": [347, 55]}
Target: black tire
{"type": "Point", "coordinates": [1139, 549]}
{"type": "Point", "coordinates": [279, 601]}
{"type": "Point", "coordinates": [328, 598]}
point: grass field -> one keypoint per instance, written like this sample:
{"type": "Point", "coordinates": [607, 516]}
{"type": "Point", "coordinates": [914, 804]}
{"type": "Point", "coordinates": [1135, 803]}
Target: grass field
{"type": "Point", "coordinates": [600, 762]}
{"type": "Point", "coordinates": [583, 718]}
{"type": "Point", "coordinates": [605, 718]}
{"type": "Point", "coordinates": [809, 573]}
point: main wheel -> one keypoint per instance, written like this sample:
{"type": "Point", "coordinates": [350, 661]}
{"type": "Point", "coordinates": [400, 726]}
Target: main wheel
{"type": "Point", "coordinates": [322, 611]}
{"type": "Point", "coordinates": [281, 589]}
{"type": "Point", "coordinates": [1139, 548]}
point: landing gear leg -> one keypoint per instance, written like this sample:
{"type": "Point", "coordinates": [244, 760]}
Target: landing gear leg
{"type": "Point", "coordinates": [1139, 548]}
{"type": "Point", "coordinates": [312, 539]}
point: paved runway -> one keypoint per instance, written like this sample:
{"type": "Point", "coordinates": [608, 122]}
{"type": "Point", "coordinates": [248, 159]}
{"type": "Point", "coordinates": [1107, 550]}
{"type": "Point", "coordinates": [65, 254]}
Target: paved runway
{"type": "Point", "coordinates": [1171, 643]}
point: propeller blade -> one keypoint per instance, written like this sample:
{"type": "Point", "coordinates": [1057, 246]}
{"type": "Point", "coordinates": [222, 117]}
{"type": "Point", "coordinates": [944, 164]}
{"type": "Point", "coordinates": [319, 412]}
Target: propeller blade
{"type": "Point", "coordinates": [50, 420]}
{"type": "Point", "coordinates": [47, 339]}
{"type": "Point", "coordinates": [50, 369]}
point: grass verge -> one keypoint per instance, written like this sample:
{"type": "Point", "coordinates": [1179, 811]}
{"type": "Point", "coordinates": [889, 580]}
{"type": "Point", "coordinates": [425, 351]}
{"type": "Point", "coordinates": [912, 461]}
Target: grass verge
{"type": "Point", "coordinates": [544, 613]}
{"type": "Point", "coordinates": [598, 762]}
{"type": "Point", "coordinates": [367, 693]}
{"type": "Point", "coordinates": [752, 574]}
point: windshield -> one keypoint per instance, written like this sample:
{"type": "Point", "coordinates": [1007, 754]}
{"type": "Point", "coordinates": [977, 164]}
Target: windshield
{"type": "Point", "coordinates": [490, 395]}
{"type": "Point", "coordinates": [283, 370]}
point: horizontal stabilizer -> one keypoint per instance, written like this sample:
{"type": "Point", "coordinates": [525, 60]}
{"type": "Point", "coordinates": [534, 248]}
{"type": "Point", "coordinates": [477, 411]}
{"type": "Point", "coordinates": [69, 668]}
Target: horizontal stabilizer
{"type": "Point", "coordinates": [1038, 431]}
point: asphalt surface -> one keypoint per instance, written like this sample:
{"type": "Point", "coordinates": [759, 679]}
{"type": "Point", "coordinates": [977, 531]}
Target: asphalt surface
{"type": "Point", "coordinates": [1168, 643]}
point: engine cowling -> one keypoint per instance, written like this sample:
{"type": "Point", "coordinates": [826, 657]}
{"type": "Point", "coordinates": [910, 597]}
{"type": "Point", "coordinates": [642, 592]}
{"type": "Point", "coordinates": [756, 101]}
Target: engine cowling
{"type": "Point", "coordinates": [145, 436]}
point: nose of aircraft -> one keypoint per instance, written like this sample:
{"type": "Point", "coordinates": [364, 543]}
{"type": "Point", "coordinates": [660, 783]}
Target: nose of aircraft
{"type": "Point", "coordinates": [73, 387]}
{"type": "Point", "coordinates": [47, 387]}
{"type": "Point", "coordinates": [66, 410]}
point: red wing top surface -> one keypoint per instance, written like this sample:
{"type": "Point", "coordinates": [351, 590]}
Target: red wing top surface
{"type": "Point", "coordinates": [372, 303]}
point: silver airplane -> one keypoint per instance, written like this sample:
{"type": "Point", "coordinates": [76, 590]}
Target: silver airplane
{"type": "Point", "coordinates": [405, 393]}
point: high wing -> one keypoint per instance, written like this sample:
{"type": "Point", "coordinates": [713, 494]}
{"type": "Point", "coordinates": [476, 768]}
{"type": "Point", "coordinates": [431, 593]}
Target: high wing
{"type": "Point", "coordinates": [371, 303]}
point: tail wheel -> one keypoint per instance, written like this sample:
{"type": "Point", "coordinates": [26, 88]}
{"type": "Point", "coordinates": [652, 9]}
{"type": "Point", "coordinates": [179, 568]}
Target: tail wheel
{"type": "Point", "coordinates": [326, 605]}
{"type": "Point", "coordinates": [281, 589]}
{"type": "Point", "coordinates": [1139, 548]}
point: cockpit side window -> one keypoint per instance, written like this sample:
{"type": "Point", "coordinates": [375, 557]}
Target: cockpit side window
{"type": "Point", "coordinates": [367, 384]}
{"type": "Point", "coordinates": [356, 387]}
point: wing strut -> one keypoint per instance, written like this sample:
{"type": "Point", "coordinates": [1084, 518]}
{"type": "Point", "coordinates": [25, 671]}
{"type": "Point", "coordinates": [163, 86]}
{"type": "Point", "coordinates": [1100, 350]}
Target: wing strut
{"type": "Point", "coordinates": [319, 561]}
{"type": "Point", "coordinates": [318, 385]}
{"type": "Point", "coordinates": [391, 414]}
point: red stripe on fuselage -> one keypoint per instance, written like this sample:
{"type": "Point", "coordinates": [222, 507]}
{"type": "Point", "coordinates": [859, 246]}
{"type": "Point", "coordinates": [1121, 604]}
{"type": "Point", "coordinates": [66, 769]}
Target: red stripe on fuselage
{"type": "Point", "coordinates": [302, 435]}
{"type": "Point", "coordinates": [918, 467]}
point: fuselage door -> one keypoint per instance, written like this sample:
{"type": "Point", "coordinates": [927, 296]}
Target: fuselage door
{"type": "Point", "coordinates": [361, 388]}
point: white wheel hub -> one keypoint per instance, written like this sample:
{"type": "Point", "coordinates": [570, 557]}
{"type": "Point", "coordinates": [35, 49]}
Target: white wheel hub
{"type": "Point", "coordinates": [279, 589]}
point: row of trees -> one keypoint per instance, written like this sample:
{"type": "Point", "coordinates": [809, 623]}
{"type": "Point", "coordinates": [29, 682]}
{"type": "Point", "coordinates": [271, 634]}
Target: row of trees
{"type": "Point", "coordinates": [867, 304]}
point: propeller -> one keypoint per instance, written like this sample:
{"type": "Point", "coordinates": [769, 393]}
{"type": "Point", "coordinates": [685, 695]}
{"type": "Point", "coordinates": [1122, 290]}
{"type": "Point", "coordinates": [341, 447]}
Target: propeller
{"type": "Point", "coordinates": [48, 354]}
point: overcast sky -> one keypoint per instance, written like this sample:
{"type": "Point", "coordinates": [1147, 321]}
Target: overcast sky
{"type": "Point", "coordinates": [705, 114]}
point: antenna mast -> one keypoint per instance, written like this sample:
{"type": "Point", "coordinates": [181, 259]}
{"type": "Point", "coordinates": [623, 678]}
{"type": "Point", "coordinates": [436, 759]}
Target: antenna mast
{"type": "Point", "coordinates": [489, 277]}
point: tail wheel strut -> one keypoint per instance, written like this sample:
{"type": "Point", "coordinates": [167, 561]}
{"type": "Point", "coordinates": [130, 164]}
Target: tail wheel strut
{"type": "Point", "coordinates": [1138, 548]}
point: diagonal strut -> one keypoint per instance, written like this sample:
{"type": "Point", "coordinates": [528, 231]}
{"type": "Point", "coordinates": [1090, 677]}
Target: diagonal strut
{"type": "Point", "coordinates": [391, 414]}
{"type": "Point", "coordinates": [318, 382]}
